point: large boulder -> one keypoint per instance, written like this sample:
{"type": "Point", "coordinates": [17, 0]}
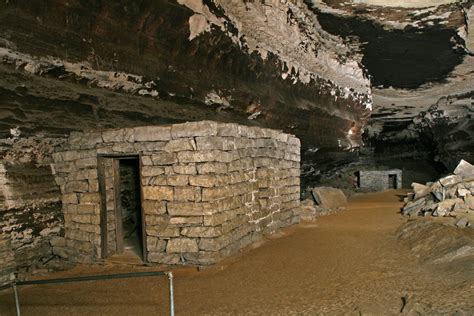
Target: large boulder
{"type": "Point", "coordinates": [464, 170]}
{"type": "Point", "coordinates": [330, 198]}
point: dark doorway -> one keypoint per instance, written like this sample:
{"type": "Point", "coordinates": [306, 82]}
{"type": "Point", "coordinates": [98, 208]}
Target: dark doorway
{"type": "Point", "coordinates": [392, 181]}
{"type": "Point", "coordinates": [129, 207]}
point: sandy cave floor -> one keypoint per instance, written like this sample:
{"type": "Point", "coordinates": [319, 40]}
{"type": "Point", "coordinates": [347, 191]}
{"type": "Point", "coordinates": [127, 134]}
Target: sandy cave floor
{"type": "Point", "coordinates": [347, 263]}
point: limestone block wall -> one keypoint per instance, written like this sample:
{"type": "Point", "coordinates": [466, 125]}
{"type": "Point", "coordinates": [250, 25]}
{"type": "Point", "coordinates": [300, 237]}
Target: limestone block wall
{"type": "Point", "coordinates": [208, 189]}
{"type": "Point", "coordinates": [380, 180]}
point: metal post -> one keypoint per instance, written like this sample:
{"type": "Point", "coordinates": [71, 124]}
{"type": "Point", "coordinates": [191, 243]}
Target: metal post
{"type": "Point", "coordinates": [17, 302]}
{"type": "Point", "coordinates": [170, 277]}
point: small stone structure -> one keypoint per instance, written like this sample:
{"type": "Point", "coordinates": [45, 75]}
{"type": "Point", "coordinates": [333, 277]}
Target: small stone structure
{"type": "Point", "coordinates": [207, 189]}
{"type": "Point", "coordinates": [379, 180]}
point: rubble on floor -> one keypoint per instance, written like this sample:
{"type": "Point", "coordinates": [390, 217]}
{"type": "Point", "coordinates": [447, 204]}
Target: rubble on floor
{"type": "Point", "coordinates": [450, 196]}
{"type": "Point", "coordinates": [323, 201]}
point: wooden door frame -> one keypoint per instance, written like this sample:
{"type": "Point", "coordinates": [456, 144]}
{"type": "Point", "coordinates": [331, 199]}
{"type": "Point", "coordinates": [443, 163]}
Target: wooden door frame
{"type": "Point", "coordinates": [117, 202]}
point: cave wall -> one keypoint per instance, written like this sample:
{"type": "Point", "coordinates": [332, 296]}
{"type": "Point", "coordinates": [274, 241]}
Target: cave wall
{"type": "Point", "coordinates": [131, 63]}
{"type": "Point", "coordinates": [30, 212]}
{"type": "Point", "coordinates": [420, 64]}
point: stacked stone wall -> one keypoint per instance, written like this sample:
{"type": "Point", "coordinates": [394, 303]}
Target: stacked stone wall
{"type": "Point", "coordinates": [378, 180]}
{"type": "Point", "coordinates": [208, 188]}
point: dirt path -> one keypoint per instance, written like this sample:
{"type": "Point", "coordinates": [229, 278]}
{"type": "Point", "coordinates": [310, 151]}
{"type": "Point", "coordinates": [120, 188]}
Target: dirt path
{"type": "Point", "coordinates": [346, 263]}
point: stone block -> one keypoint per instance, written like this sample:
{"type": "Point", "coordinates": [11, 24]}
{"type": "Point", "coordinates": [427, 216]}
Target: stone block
{"type": "Point", "coordinates": [154, 244]}
{"type": "Point", "coordinates": [87, 208]}
{"type": "Point", "coordinates": [328, 197]}
{"type": "Point", "coordinates": [290, 189]}
{"type": "Point", "coordinates": [229, 130]}
{"type": "Point", "coordinates": [215, 142]}
{"type": "Point", "coordinates": [186, 221]}
{"type": "Point", "coordinates": [464, 169]}
{"type": "Point", "coordinates": [150, 171]}
{"type": "Point", "coordinates": [212, 167]}
{"type": "Point", "coordinates": [187, 193]}
{"type": "Point", "coordinates": [83, 163]}
{"type": "Point", "coordinates": [210, 194]}
{"type": "Point", "coordinates": [180, 144]}
{"type": "Point", "coordinates": [158, 193]}
{"type": "Point", "coordinates": [146, 160]}
{"type": "Point", "coordinates": [185, 209]}
{"type": "Point", "coordinates": [293, 149]}
{"type": "Point", "coordinates": [164, 158]}
{"type": "Point", "coordinates": [216, 244]}
{"type": "Point", "coordinates": [164, 258]}
{"type": "Point", "coordinates": [89, 198]}
{"type": "Point", "coordinates": [177, 180]}
{"type": "Point", "coordinates": [123, 148]}
{"type": "Point", "coordinates": [189, 169]}
{"type": "Point", "coordinates": [205, 156]}
{"type": "Point", "coordinates": [450, 180]}
{"type": "Point", "coordinates": [293, 141]}
{"type": "Point", "coordinates": [83, 174]}
{"type": "Point", "coordinates": [69, 198]}
{"type": "Point", "coordinates": [203, 180]}
{"type": "Point", "coordinates": [163, 232]}
{"type": "Point", "coordinates": [69, 208]}
{"type": "Point", "coordinates": [250, 131]}
{"type": "Point", "coordinates": [202, 231]}
{"type": "Point", "coordinates": [193, 129]}
{"type": "Point", "coordinates": [156, 180]}
{"type": "Point", "coordinates": [113, 136]}
{"type": "Point", "coordinates": [242, 143]}
{"type": "Point", "coordinates": [76, 186]}
{"type": "Point", "coordinates": [152, 133]}
{"type": "Point", "coordinates": [244, 164]}
{"type": "Point", "coordinates": [154, 207]}
{"type": "Point", "coordinates": [222, 217]}
{"type": "Point", "coordinates": [180, 245]}
{"type": "Point", "coordinates": [157, 220]}
{"type": "Point", "coordinates": [149, 147]}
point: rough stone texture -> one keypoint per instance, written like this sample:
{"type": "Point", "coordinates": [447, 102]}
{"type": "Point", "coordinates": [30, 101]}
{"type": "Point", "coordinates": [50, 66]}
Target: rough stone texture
{"type": "Point", "coordinates": [7, 259]}
{"type": "Point", "coordinates": [380, 180]}
{"type": "Point", "coordinates": [450, 196]}
{"type": "Point", "coordinates": [248, 62]}
{"type": "Point", "coordinates": [30, 208]}
{"type": "Point", "coordinates": [207, 188]}
{"type": "Point", "coordinates": [330, 198]}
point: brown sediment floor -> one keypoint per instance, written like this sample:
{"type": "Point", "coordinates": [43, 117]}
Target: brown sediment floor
{"type": "Point", "coordinates": [345, 263]}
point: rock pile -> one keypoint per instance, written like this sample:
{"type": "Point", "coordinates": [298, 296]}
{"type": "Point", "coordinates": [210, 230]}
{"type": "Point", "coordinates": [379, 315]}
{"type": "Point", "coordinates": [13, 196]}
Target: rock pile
{"type": "Point", "coordinates": [451, 196]}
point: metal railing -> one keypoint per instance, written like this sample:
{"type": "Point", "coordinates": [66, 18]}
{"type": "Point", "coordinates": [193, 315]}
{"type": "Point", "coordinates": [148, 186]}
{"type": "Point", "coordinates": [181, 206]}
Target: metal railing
{"type": "Point", "coordinates": [15, 283]}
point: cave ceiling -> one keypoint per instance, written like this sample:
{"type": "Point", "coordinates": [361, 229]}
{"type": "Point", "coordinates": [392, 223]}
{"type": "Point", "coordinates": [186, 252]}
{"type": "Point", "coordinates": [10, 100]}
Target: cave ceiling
{"type": "Point", "coordinates": [325, 70]}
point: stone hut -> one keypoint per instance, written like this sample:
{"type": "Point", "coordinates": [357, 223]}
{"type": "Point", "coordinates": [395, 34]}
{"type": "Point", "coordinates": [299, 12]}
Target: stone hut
{"type": "Point", "coordinates": [380, 180]}
{"type": "Point", "coordinates": [189, 193]}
